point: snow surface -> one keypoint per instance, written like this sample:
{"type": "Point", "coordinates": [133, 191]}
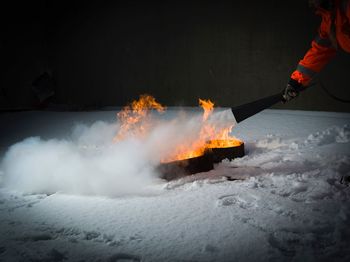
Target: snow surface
{"type": "Point", "coordinates": [287, 204]}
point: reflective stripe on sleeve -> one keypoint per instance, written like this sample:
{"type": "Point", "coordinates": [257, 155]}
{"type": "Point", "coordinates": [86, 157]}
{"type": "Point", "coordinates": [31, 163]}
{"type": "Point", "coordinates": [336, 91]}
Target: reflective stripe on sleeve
{"type": "Point", "coordinates": [323, 41]}
{"type": "Point", "coordinates": [306, 71]}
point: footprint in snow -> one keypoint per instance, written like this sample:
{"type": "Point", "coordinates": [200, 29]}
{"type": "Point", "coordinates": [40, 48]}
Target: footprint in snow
{"type": "Point", "coordinates": [90, 235]}
{"type": "Point", "coordinates": [35, 237]}
{"type": "Point", "coordinates": [286, 245]}
{"type": "Point", "coordinates": [124, 257]}
{"type": "Point", "coordinates": [246, 202]}
{"type": "Point", "coordinates": [210, 249]}
{"type": "Point", "coordinates": [56, 256]}
{"type": "Point", "coordinates": [2, 250]}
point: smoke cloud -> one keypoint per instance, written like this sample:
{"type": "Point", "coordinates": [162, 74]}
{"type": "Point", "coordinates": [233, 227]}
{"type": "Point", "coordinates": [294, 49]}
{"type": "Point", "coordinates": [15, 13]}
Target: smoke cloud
{"type": "Point", "coordinates": [88, 162]}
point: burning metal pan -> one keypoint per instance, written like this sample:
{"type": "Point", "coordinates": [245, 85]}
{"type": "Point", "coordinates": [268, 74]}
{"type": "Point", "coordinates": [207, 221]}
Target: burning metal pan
{"type": "Point", "coordinates": [189, 166]}
{"type": "Point", "coordinates": [222, 149]}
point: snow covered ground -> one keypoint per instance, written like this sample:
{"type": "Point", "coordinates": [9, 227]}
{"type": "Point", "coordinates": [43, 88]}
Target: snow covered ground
{"type": "Point", "coordinates": [287, 205]}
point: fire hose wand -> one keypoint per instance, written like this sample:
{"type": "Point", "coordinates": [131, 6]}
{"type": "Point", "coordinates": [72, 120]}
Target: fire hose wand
{"type": "Point", "coordinates": [245, 111]}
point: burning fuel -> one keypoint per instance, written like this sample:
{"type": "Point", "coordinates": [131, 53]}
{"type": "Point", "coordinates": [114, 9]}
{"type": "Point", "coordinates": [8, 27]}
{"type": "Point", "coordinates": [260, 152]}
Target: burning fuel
{"type": "Point", "coordinates": [136, 121]}
{"type": "Point", "coordinates": [219, 143]}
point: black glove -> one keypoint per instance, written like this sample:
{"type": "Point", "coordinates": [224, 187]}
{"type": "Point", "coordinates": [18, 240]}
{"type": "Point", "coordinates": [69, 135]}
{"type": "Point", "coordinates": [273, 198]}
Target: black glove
{"type": "Point", "coordinates": [292, 90]}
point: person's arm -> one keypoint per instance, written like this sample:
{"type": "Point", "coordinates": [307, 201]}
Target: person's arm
{"type": "Point", "coordinates": [321, 52]}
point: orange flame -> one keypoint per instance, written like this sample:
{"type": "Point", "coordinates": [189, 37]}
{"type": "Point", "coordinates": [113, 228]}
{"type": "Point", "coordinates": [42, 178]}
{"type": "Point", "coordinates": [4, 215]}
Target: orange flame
{"type": "Point", "coordinates": [133, 116]}
{"type": "Point", "coordinates": [207, 106]}
{"type": "Point", "coordinates": [218, 143]}
{"type": "Point", "coordinates": [209, 137]}
{"type": "Point", "coordinates": [135, 122]}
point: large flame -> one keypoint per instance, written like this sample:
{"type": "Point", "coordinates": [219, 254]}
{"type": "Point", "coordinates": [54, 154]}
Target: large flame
{"type": "Point", "coordinates": [134, 117]}
{"type": "Point", "coordinates": [135, 121]}
{"type": "Point", "coordinates": [210, 136]}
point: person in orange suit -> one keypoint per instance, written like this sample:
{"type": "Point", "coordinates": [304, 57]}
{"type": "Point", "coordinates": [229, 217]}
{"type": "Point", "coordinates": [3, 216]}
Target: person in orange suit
{"type": "Point", "coordinates": [333, 35]}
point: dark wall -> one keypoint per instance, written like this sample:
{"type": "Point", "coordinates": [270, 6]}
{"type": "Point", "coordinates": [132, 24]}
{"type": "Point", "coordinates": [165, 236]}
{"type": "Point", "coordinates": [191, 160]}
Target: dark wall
{"type": "Point", "coordinates": [23, 53]}
{"type": "Point", "coordinates": [107, 53]}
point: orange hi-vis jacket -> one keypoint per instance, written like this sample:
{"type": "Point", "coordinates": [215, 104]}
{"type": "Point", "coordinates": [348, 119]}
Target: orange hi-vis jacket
{"type": "Point", "coordinates": [323, 49]}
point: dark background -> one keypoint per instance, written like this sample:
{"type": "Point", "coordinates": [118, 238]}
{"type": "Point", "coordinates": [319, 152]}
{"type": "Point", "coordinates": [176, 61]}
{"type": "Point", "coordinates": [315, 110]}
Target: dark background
{"type": "Point", "coordinates": [106, 53]}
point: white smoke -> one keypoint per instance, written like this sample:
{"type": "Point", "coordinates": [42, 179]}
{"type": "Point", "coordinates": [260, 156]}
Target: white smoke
{"type": "Point", "coordinates": [90, 163]}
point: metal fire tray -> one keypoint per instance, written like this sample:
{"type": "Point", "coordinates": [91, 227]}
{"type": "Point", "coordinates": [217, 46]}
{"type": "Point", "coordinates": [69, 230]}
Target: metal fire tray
{"type": "Point", "coordinates": [221, 153]}
{"type": "Point", "coordinates": [180, 168]}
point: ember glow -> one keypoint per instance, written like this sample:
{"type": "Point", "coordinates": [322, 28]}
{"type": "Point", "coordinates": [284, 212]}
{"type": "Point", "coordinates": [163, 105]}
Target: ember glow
{"type": "Point", "coordinates": [224, 143]}
{"type": "Point", "coordinates": [135, 121]}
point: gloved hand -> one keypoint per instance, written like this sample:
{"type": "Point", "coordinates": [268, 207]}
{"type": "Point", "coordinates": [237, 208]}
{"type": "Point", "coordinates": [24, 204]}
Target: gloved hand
{"type": "Point", "coordinates": [292, 90]}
